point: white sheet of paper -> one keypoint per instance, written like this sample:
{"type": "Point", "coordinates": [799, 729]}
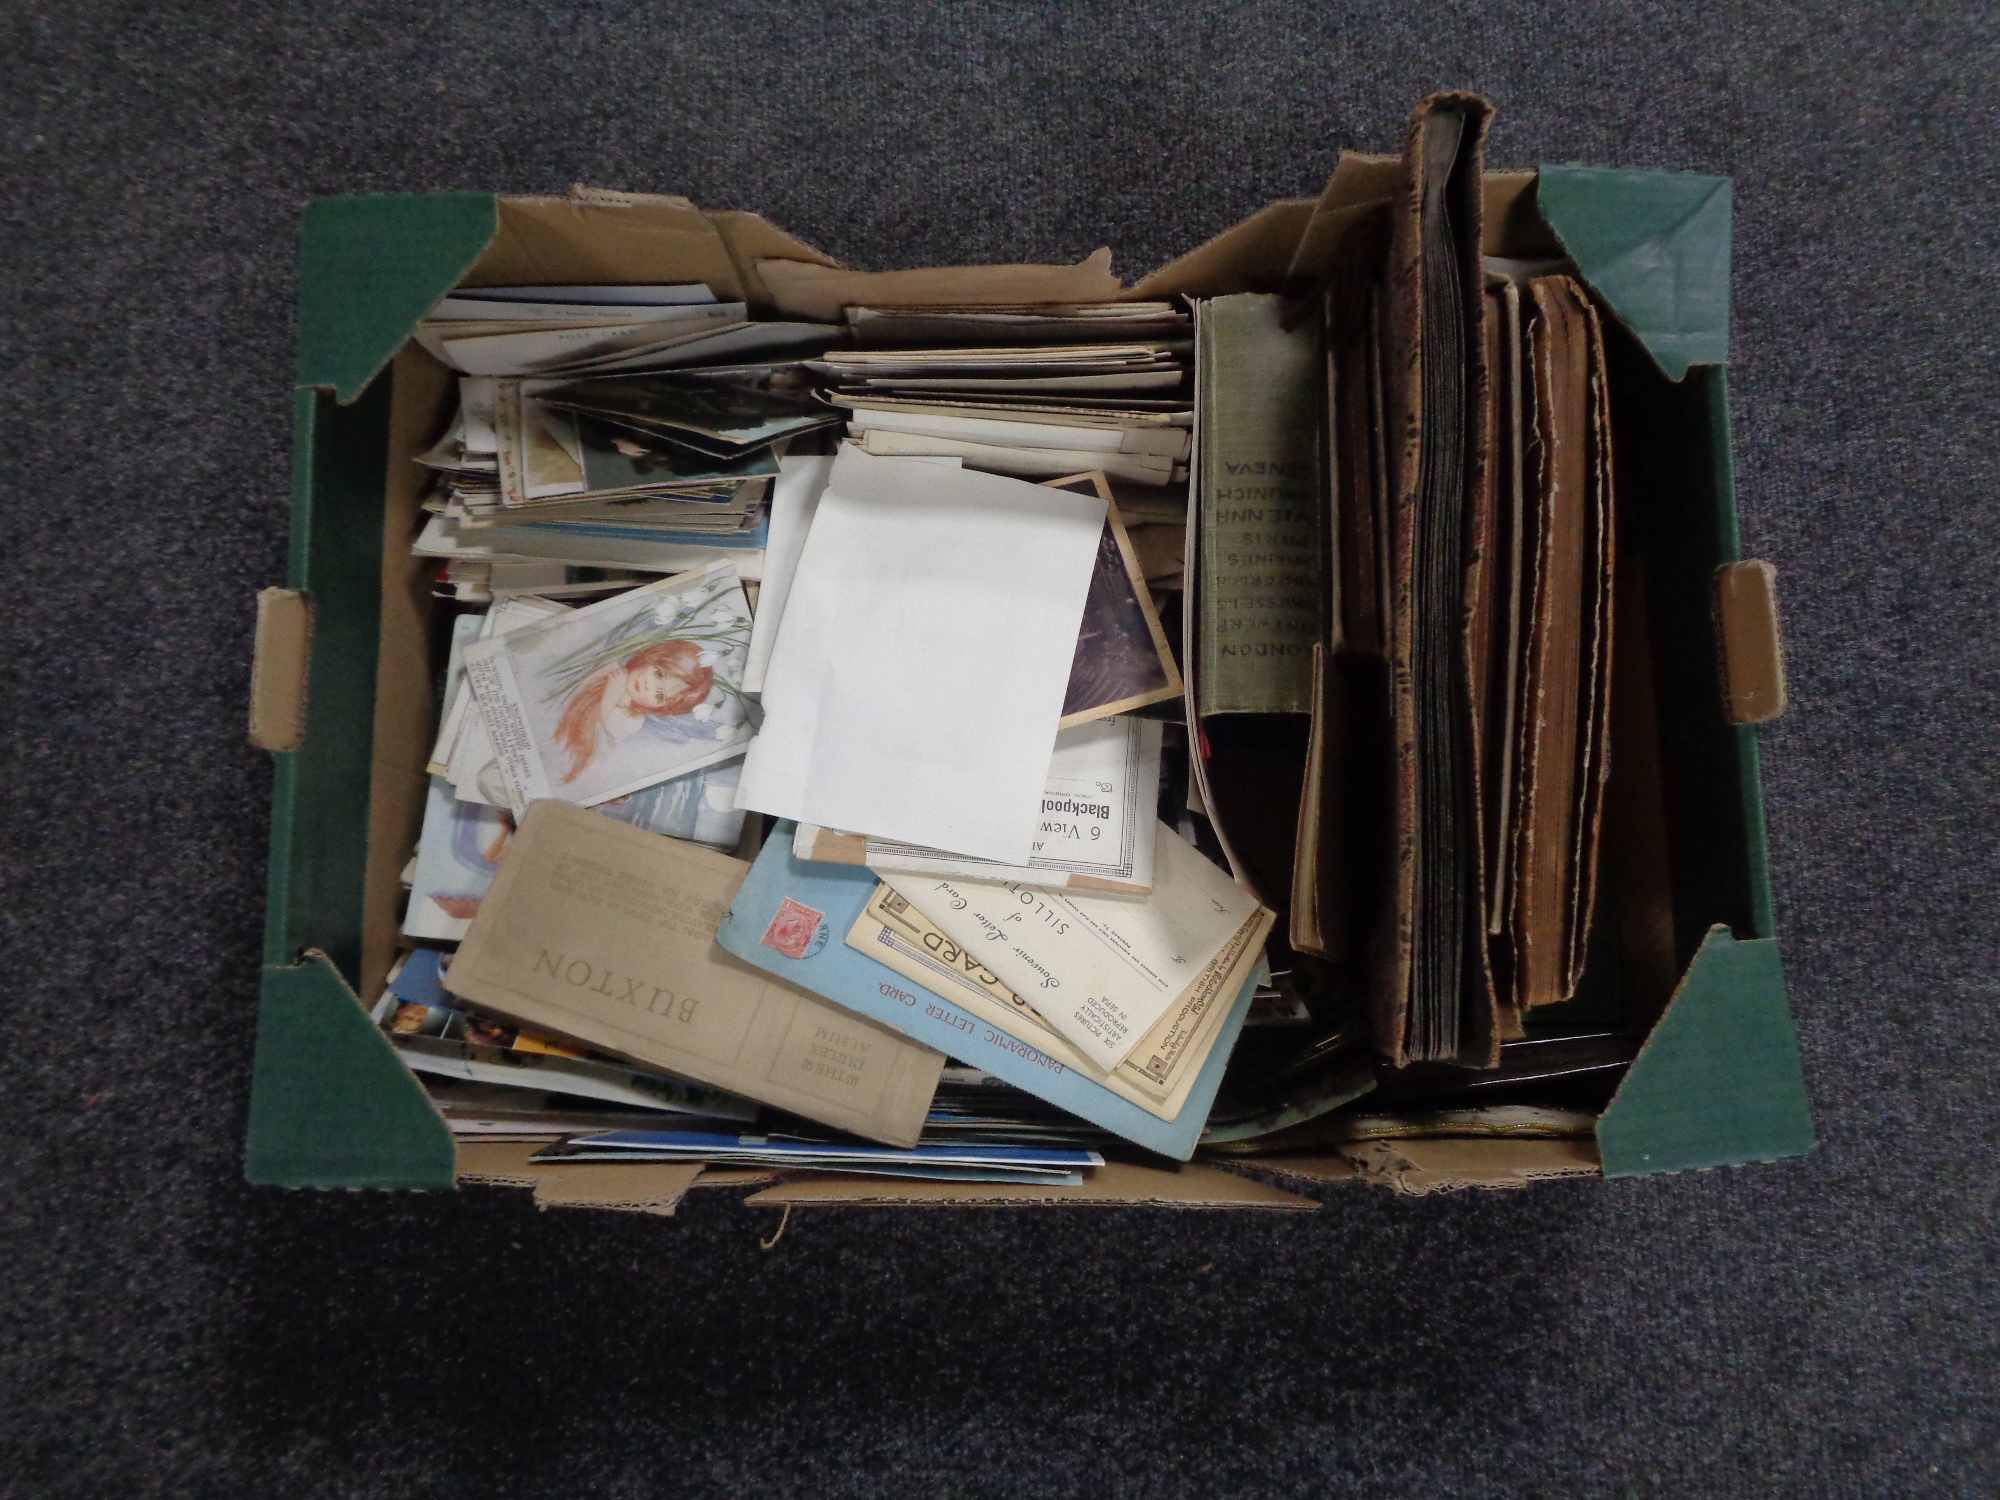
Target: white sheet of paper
{"type": "Point", "coordinates": [915, 690]}
{"type": "Point", "coordinates": [794, 500]}
{"type": "Point", "coordinates": [1100, 969]}
{"type": "Point", "coordinates": [1098, 815]}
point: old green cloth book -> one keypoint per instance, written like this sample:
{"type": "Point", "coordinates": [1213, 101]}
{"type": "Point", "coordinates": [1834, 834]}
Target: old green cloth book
{"type": "Point", "coordinates": [1261, 554]}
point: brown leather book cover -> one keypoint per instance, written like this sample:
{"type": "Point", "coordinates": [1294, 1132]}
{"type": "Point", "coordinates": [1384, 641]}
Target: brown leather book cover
{"type": "Point", "coordinates": [1430, 997]}
{"type": "Point", "coordinates": [1564, 622]}
{"type": "Point", "coordinates": [1594, 761]}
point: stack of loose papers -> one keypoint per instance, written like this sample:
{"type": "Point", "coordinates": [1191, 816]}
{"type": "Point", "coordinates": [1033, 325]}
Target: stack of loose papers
{"type": "Point", "coordinates": [1031, 323]}
{"type": "Point", "coordinates": [1101, 971]}
{"type": "Point", "coordinates": [887, 576]}
{"type": "Point", "coordinates": [639, 471]}
{"type": "Point", "coordinates": [538, 330]}
{"type": "Point", "coordinates": [595, 704]}
{"type": "Point", "coordinates": [1038, 1164]}
{"type": "Point", "coordinates": [669, 450]}
{"type": "Point", "coordinates": [438, 1039]}
{"type": "Point", "coordinates": [1030, 391]}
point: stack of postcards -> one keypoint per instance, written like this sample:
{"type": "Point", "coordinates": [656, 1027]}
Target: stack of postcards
{"type": "Point", "coordinates": [813, 785]}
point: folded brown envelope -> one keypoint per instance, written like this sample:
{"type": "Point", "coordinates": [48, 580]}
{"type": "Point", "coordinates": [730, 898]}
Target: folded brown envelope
{"type": "Point", "coordinates": [605, 933]}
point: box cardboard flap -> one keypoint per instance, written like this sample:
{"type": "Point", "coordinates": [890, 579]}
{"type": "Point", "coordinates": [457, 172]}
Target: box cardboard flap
{"type": "Point", "coordinates": [1327, 1169]}
{"type": "Point", "coordinates": [1448, 1164]}
{"type": "Point", "coordinates": [1719, 1080]}
{"type": "Point", "coordinates": [1753, 650]}
{"type": "Point", "coordinates": [751, 238]}
{"type": "Point", "coordinates": [732, 1177]}
{"type": "Point", "coordinates": [1655, 247]}
{"type": "Point", "coordinates": [1253, 256]}
{"type": "Point", "coordinates": [370, 266]}
{"type": "Point", "coordinates": [599, 237]}
{"type": "Point", "coordinates": [1510, 223]}
{"type": "Point", "coordinates": [651, 1187]}
{"type": "Point", "coordinates": [280, 662]}
{"type": "Point", "coordinates": [1115, 1183]}
{"type": "Point", "coordinates": [320, 792]}
{"type": "Point", "coordinates": [498, 1163]}
{"type": "Point", "coordinates": [803, 289]}
{"type": "Point", "coordinates": [331, 1105]}
{"type": "Point", "coordinates": [643, 1187]}
{"type": "Point", "coordinates": [1360, 186]}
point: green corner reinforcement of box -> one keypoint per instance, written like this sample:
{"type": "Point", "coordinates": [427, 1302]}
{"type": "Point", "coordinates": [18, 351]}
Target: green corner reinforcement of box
{"type": "Point", "coordinates": [1719, 1079]}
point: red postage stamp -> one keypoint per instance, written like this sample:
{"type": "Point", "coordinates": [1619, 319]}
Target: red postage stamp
{"type": "Point", "coordinates": [793, 928]}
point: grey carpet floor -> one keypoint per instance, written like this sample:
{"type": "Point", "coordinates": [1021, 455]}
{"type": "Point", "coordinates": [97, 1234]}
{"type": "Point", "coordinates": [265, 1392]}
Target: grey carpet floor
{"type": "Point", "coordinates": [1823, 1327]}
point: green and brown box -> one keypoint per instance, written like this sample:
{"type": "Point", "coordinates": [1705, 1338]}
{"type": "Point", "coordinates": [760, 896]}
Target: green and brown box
{"type": "Point", "coordinates": [347, 653]}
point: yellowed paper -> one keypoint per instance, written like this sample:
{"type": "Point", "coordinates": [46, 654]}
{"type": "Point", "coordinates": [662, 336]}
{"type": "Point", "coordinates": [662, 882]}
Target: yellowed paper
{"type": "Point", "coordinates": [605, 935]}
{"type": "Point", "coordinates": [1161, 1071]}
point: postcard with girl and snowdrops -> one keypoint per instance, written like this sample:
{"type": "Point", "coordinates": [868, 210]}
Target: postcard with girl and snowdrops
{"type": "Point", "coordinates": [605, 700]}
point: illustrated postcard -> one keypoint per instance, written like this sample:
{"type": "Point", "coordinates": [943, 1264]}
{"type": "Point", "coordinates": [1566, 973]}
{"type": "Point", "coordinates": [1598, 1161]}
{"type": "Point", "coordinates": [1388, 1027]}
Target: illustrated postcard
{"type": "Point", "coordinates": [602, 701]}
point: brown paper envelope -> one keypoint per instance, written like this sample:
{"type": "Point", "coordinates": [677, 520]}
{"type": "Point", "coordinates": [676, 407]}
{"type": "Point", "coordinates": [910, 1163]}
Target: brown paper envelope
{"type": "Point", "coordinates": [605, 934]}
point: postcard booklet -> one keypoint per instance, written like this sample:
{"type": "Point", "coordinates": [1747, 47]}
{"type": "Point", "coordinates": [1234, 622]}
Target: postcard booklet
{"type": "Point", "coordinates": [605, 934]}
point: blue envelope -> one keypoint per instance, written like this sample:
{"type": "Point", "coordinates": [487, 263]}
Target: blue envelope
{"type": "Point", "coordinates": [791, 919]}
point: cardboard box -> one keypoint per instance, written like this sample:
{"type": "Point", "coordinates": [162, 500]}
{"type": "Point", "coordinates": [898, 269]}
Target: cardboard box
{"type": "Point", "coordinates": [343, 690]}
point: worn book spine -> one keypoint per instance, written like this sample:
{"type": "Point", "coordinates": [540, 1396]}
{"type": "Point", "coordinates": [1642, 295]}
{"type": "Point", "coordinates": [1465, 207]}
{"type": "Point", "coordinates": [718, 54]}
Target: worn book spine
{"type": "Point", "coordinates": [1261, 553]}
{"type": "Point", "coordinates": [1430, 996]}
{"type": "Point", "coordinates": [1594, 761]}
{"type": "Point", "coordinates": [1551, 730]}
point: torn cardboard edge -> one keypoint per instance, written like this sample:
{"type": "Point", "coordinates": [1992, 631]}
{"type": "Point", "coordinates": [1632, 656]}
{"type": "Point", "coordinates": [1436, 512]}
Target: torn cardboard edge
{"type": "Point", "coordinates": [1453, 1164]}
{"type": "Point", "coordinates": [658, 1187]}
{"type": "Point", "coordinates": [1113, 1185]}
{"type": "Point", "coordinates": [280, 668]}
{"type": "Point", "coordinates": [643, 1187]}
{"type": "Point", "coordinates": [1418, 1166]}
